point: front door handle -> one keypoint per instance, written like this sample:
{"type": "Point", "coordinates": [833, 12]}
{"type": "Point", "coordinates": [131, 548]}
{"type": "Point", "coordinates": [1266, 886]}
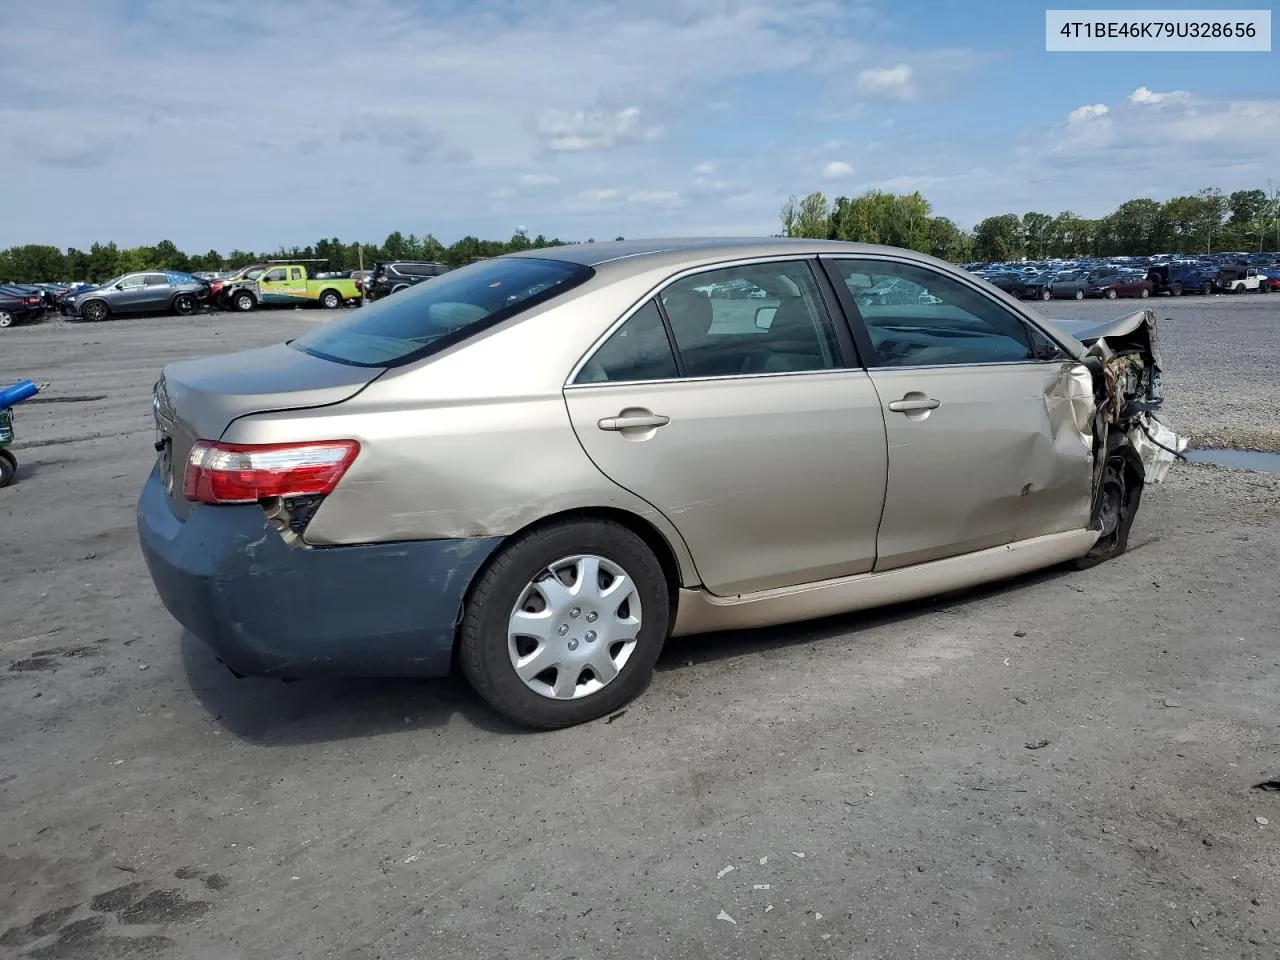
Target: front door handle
{"type": "Point", "coordinates": [637, 421]}
{"type": "Point", "coordinates": [914, 404]}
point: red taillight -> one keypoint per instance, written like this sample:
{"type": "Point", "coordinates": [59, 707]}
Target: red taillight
{"type": "Point", "coordinates": [248, 472]}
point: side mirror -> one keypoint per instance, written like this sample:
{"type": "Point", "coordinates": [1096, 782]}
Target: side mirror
{"type": "Point", "coordinates": [764, 317]}
{"type": "Point", "coordinates": [119, 286]}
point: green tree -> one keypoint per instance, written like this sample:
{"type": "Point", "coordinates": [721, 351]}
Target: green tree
{"type": "Point", "coordinates": [1037, 232]}
{"type": "Point", "coordinates": [999, 238]}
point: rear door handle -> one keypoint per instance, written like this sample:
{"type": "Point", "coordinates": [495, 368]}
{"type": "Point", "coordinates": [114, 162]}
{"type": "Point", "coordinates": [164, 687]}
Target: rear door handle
{"type": "Point", "coordinates": [914, 404]}
{"type": "Point", "coordinates": [634, 422]}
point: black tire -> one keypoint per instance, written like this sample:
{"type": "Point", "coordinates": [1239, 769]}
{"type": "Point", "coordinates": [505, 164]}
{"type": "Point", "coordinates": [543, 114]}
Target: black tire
{"type": "Point", "coordinates": [483, 637]}
{"type": "Point", "coordinates": [1117, 502]}
{"type": "Point", "coordinates": [6, 319]}
{"type": "Point", "coordinates": [1045, 294]}
{"type": "Point", "coordinates": [94, 311]}
{"type": "Point", "coordinates": [331, 300]}
{"type": "Point", "coordinates": [242, 301]}
{"type": "Point", "coordinates": [8, 467]}
{"type": "Point", "coordinates": [1206, 288]}
{"type": "Point", "coordinates": [1175, 290]}
{"type": "Point", "coordinates": [1239, 288]}
{"type": "Point", "coordinates": [1110, 293]}
{"type": "Point", "coordinates": [1079, 294]}
{"type": "Point", "coordinates": [1145, 293]}
{"type": "Point", "coordinates": [184, 304]}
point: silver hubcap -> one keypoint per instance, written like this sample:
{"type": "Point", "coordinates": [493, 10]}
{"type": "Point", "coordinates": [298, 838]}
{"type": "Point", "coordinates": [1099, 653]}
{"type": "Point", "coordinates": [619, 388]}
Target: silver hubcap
{"type": "Point", "coordinates": [574, 627]}
{"type": "Point", "coordinates": [6, 318]}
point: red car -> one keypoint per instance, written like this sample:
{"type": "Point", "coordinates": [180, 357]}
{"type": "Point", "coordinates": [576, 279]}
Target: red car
{"type": "Point", "coordinates": [1119, 285]}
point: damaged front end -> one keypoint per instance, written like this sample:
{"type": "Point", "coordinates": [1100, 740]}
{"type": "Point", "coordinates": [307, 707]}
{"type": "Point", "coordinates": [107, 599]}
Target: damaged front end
{"type": "Point", "coordinates": [1123, 356]}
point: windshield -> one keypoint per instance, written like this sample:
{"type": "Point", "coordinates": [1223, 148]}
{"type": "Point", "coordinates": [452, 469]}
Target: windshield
{"type": "Point", "coordinates": [432, 316]}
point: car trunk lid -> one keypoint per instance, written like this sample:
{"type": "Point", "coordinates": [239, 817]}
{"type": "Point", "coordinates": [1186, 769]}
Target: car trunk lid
{"type": "Point", "coordinates": [199, 399]}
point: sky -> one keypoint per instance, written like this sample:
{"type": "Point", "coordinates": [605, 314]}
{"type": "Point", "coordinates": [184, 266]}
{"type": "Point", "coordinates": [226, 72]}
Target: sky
{"type": "Point", "coordinates": [236, 123]}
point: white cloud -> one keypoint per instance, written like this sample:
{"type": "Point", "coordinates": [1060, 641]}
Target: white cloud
{"type": "Point", "coordinates": [706, 167]}
{"type": "Point", "coordinates": [893, 83]}
{"type": "Point", "coordinates": [837, 170]}
{"type": "Point", "coordinates": [574, 130]}
{"type": "Point", "coordinates": [1088, 112]}
{"type": "Point", "coordinates": [1145, 95]}
{"type": "Point", "coordinates": [538, 180]}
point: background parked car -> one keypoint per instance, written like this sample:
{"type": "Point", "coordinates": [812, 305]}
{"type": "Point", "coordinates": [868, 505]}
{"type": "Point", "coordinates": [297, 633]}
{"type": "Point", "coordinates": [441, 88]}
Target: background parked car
{"type": "Point", "coordinates": [1069, 284]}
{"type": "Point", "coordinates": [148, 291]}
{"type": "Point", "coordinates": [392, 276]}
{"type": "Point", "coordinates": [19, 305]}
{"type": "Point", "coordinates": [1115, 284]}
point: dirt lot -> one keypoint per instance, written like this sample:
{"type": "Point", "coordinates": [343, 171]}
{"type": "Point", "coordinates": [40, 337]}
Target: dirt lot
{"type": "Point", "coordinates": [867, 778]}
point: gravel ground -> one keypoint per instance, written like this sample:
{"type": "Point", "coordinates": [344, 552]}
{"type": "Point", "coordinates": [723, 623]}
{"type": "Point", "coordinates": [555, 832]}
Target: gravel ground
{"type": "Point", "coordinates": [867, 778]}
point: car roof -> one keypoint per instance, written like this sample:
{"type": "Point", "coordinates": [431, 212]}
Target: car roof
{"type": "Point", "coordinates": [640, 255]}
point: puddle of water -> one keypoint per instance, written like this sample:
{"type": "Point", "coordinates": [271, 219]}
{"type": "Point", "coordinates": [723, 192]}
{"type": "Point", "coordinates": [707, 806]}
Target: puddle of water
{"type": "Point", "coordinates": [1238, 459]}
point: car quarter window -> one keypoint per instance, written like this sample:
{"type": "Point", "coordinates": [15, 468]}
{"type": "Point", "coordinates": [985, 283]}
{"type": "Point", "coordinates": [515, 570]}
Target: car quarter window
{"type": "Point", "coordinates": [918, 316]}
{"type": "Point", "coordinates": [637, 350]}
{"type": "Point", "coordinates": [751, 319]}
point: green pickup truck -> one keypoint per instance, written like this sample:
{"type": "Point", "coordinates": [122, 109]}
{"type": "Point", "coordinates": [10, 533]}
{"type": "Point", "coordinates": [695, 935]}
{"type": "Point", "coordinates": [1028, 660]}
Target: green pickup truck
{"type": "Point", "coordinates": [289, 284]}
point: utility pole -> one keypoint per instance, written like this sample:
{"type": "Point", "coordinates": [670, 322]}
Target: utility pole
{"type": "Point", "coordinates": [360, 260]}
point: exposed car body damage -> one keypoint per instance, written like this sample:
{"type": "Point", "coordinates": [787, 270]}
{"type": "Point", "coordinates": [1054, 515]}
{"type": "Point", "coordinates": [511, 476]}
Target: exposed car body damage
{"type": "Point", "coordinates": [1124, 357]}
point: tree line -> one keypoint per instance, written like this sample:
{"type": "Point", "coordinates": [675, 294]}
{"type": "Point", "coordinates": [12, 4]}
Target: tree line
{"type": "Point", "coordinates": [1205, 222]}
{"type": "Point", "coordinates": [35, 263]}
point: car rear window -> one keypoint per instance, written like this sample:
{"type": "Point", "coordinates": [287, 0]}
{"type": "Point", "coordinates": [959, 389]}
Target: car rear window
{"type": "Point", "coordinates": [431, 317]}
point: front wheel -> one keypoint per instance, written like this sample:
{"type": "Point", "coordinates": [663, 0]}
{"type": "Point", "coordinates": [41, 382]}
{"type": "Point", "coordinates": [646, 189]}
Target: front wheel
{"type": "Point", "coordinates": [330, 300]}
{"type": "Point", "coordinates": [1116, 504]}
{"type": "Point", "coordinates": [244, 301]}
{"type": "Point", "coordinates": [8, 467]}
{"type": "Point", "coordinates": [566, 623]}
{"type": "Point", "coordinates": [1045, 294]}
{"type": "Point", "coordinates": [94, 311]}
{"type": "Point", "coordinates": [1110, 294]}
{"type": "Point", "coordinates": [1079, 294]}
{"type": "Point", "coordinates": [1145, 293]}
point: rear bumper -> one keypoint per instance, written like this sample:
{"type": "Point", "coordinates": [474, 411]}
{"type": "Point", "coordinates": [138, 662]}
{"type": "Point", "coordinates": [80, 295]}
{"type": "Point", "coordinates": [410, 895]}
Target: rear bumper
{"type": "Point", "coordinates": [268, 609]}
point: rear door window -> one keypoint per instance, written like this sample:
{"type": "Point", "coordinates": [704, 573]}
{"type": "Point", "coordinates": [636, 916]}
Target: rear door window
{"type": "Point", "coordinates": [638, 350]}
{"type": "Point", "coordinates": [781, 325]}
{"type": "Point", "coordinates": [430, 317]}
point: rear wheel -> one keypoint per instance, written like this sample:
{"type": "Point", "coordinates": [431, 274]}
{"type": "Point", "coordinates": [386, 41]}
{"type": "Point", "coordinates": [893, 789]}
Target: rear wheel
{"type": "Point", "coordinates": [1045, 294]}
{"type": "Point", "coordinates": [1239, 287]}
{"type": "Point", "coordinates": [565, 624]}
{"type": "Point", "coordinates": [330, 300]}
{"type": "Point", "coordinates": [95, 310]}
{"type": "Point", "coordinates": [1206, 288]}
{"type": "Point", "coordinates": [1111, 293]}
{"type": "Point", "coordinates": [6, 319]}
{"type": "Point", "coordinates": [1175, 290]}
{"type": "Point", "coordinates": [184, 304]}
{"type": "Point", "coordinates": [1116, 504]}
{"type": "Point", "coordinates": [243, 301]}
{"type": "Point", "coordinates": [399, 286]}
{"type": "Point", "coordinates": [8, 467]}
{"type": "Point", "coordinates": [1079, 294]}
